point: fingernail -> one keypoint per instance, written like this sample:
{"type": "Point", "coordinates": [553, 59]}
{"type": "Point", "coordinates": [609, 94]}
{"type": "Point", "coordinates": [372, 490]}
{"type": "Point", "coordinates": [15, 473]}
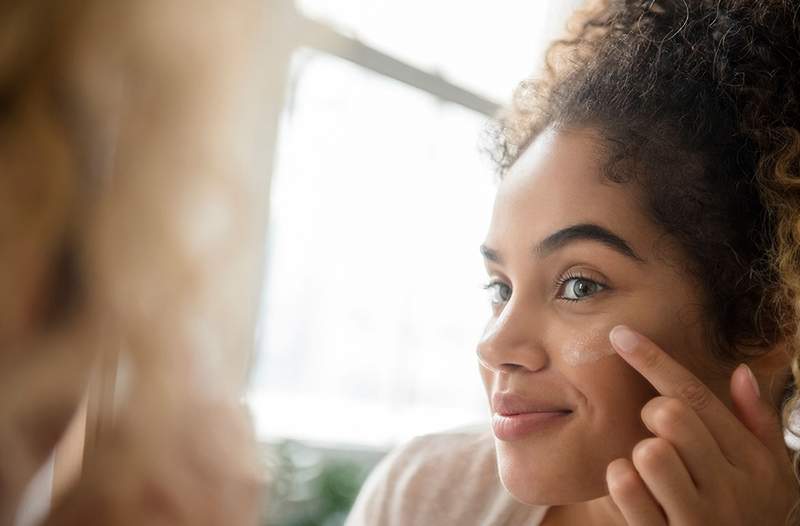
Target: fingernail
{"type": "Point", "coordinates": [624, 339]}
{"type": "Point", "coordinates": [753, 381]}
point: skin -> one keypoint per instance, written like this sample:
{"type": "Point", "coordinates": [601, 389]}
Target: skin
{"type": "Point", "coordinates": [627, 410]}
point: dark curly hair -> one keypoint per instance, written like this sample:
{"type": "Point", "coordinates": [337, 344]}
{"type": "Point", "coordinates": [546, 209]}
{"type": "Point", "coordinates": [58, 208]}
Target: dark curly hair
{"type": "Point", "coordinates": [698, 102]}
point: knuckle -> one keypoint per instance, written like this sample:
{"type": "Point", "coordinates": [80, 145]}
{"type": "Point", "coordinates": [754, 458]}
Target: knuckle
{"type": "Point", "coordinates": [651, 452]}
{"type": "Point", "coordinates": [667, 413]}
{"type": "Point", "coordinates": [623, 482]}
{"type": "Point", "coordinates": [697, 395]}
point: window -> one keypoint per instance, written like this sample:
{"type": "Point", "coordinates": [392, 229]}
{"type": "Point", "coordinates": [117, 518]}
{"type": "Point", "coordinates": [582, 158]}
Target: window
{"type": "Point", "coordinates": [373, 300]}
{"type": "Point", "coordinates": [486, 47]}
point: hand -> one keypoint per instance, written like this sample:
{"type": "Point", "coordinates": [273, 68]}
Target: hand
{"type": "Point", "coordinates": [705, 465]}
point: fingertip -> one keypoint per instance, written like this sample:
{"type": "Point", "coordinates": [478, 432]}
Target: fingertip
{"type": "Point", "coordinates": [744, 380]}
{"type": "Point", "coordinates": [619, 472]}
{"type": "Point", "coordinates": [754, 412]}
{"type": "Point", "coordinates": [618, 464]}
{"type": "Point", "coordinates": [623, 338]}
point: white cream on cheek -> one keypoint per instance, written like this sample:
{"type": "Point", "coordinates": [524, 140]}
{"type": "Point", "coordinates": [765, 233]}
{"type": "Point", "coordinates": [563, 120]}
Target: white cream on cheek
{"type": "Point", "coordinates": [587, 346]}
{"type": "Point", "coordinates": [583, 347]}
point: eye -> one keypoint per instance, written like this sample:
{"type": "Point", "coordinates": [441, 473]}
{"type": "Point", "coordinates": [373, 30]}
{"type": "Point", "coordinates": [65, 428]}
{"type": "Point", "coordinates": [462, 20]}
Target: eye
{"type": "Point", "coordinates": [499, 292]}
{"type": "Point", "coordinates": [577, 288]}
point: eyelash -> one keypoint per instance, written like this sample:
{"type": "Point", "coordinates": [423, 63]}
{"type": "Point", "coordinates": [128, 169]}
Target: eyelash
{"type": "Point", "coordinates": [569, 275]}
{"type": "Point", "coordinates": [558, 284]}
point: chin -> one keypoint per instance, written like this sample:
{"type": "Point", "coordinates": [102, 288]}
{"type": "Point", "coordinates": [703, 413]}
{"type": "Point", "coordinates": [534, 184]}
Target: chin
{"type": "Point", "coordinates": [543, 478]}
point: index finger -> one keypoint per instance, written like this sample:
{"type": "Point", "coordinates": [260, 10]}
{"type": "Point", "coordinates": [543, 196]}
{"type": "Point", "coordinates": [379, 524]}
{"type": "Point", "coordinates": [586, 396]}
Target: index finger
{"type": "Point", "coordinates": [672, 379]}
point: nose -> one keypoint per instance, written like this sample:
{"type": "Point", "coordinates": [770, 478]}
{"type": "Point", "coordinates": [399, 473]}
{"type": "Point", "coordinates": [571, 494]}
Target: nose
{"type": "Point", "coordinates": [512, 341]}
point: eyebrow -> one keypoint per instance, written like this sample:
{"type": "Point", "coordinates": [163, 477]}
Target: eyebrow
{"type": "Point", "coordinates": [571, 234]}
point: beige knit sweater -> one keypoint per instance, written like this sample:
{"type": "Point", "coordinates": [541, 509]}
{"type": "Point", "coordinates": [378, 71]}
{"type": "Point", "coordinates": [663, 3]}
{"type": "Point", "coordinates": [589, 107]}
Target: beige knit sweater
{"type": "Point", "coordinates": [439, 480]}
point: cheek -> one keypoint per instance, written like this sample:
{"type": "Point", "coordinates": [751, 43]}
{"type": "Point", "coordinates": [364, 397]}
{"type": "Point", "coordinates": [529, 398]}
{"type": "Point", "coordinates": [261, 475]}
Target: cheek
{"type": "Point", "coordinates": [586, 346]}
{"type": "Point", "coordinates": [613, 395]}
{"type": "Point", "coordinates": [613, 392]}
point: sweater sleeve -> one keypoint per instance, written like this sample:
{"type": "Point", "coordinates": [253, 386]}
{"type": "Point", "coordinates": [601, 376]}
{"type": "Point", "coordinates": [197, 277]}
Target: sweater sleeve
{"type": "Point", "coordinates": [381, 490]}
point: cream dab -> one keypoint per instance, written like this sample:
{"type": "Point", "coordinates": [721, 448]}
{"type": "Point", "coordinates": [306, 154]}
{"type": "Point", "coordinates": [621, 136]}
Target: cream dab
{"type": "Point", "coordinates": [587, 347]}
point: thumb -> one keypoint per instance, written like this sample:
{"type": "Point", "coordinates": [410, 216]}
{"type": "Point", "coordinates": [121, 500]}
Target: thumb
{"type": "Point", "coordinates": [754, 411]}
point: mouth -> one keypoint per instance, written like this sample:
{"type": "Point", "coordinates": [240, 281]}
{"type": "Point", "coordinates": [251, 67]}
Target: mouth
{"type": "Point", "coordinates": [516, 417]}
{"type": "Point", "coordinates": [515, 427]}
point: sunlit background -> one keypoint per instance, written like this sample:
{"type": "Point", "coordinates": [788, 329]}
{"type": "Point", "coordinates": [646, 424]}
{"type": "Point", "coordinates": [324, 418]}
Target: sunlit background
{"type": "Point", "coordinates": [380, 197]}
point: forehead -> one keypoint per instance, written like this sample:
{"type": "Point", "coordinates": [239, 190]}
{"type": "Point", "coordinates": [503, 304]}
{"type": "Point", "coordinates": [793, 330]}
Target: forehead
{"type": "Point", "coordinates": [557, 182]}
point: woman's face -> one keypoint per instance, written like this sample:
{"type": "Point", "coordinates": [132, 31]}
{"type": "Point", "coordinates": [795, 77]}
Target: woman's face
{"type": "Point", "coordinates": [571, 255]}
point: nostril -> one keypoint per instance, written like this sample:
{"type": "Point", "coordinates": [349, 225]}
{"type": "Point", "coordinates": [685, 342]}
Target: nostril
{"type": "Point", "coordinates": [503, 368]}
{"type": "Point", "coordinates": [508, 368]}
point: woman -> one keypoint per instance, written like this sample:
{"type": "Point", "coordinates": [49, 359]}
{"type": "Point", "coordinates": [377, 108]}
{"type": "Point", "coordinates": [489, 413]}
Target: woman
{"type": "Point", "coordinates": [644, 263]}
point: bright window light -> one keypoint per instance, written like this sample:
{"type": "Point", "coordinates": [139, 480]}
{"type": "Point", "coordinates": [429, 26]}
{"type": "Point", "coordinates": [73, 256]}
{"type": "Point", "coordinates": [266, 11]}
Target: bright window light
{"type": "Point", "coordinates": [488, 47]}
{"type": "Point", "coordinates": [373, 301]}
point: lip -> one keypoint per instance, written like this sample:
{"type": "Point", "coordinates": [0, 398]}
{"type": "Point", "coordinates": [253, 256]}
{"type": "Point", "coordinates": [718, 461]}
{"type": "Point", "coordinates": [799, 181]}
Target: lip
{"type": "Point", "coordinates": [508, 404]}
{"type": "Point", "coordinates": [514, 427]}
{"type": "Point", "coordinates": [516, 417]}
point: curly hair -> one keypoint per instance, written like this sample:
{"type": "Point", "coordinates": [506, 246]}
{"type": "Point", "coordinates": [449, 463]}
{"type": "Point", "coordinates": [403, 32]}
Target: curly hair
{"type": "Point", "coordinates": [698, 102]}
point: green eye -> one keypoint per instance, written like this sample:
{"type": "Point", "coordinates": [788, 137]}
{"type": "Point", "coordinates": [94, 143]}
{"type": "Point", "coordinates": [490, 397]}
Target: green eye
{"type": "Point", "coordinates": [578, 288]}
